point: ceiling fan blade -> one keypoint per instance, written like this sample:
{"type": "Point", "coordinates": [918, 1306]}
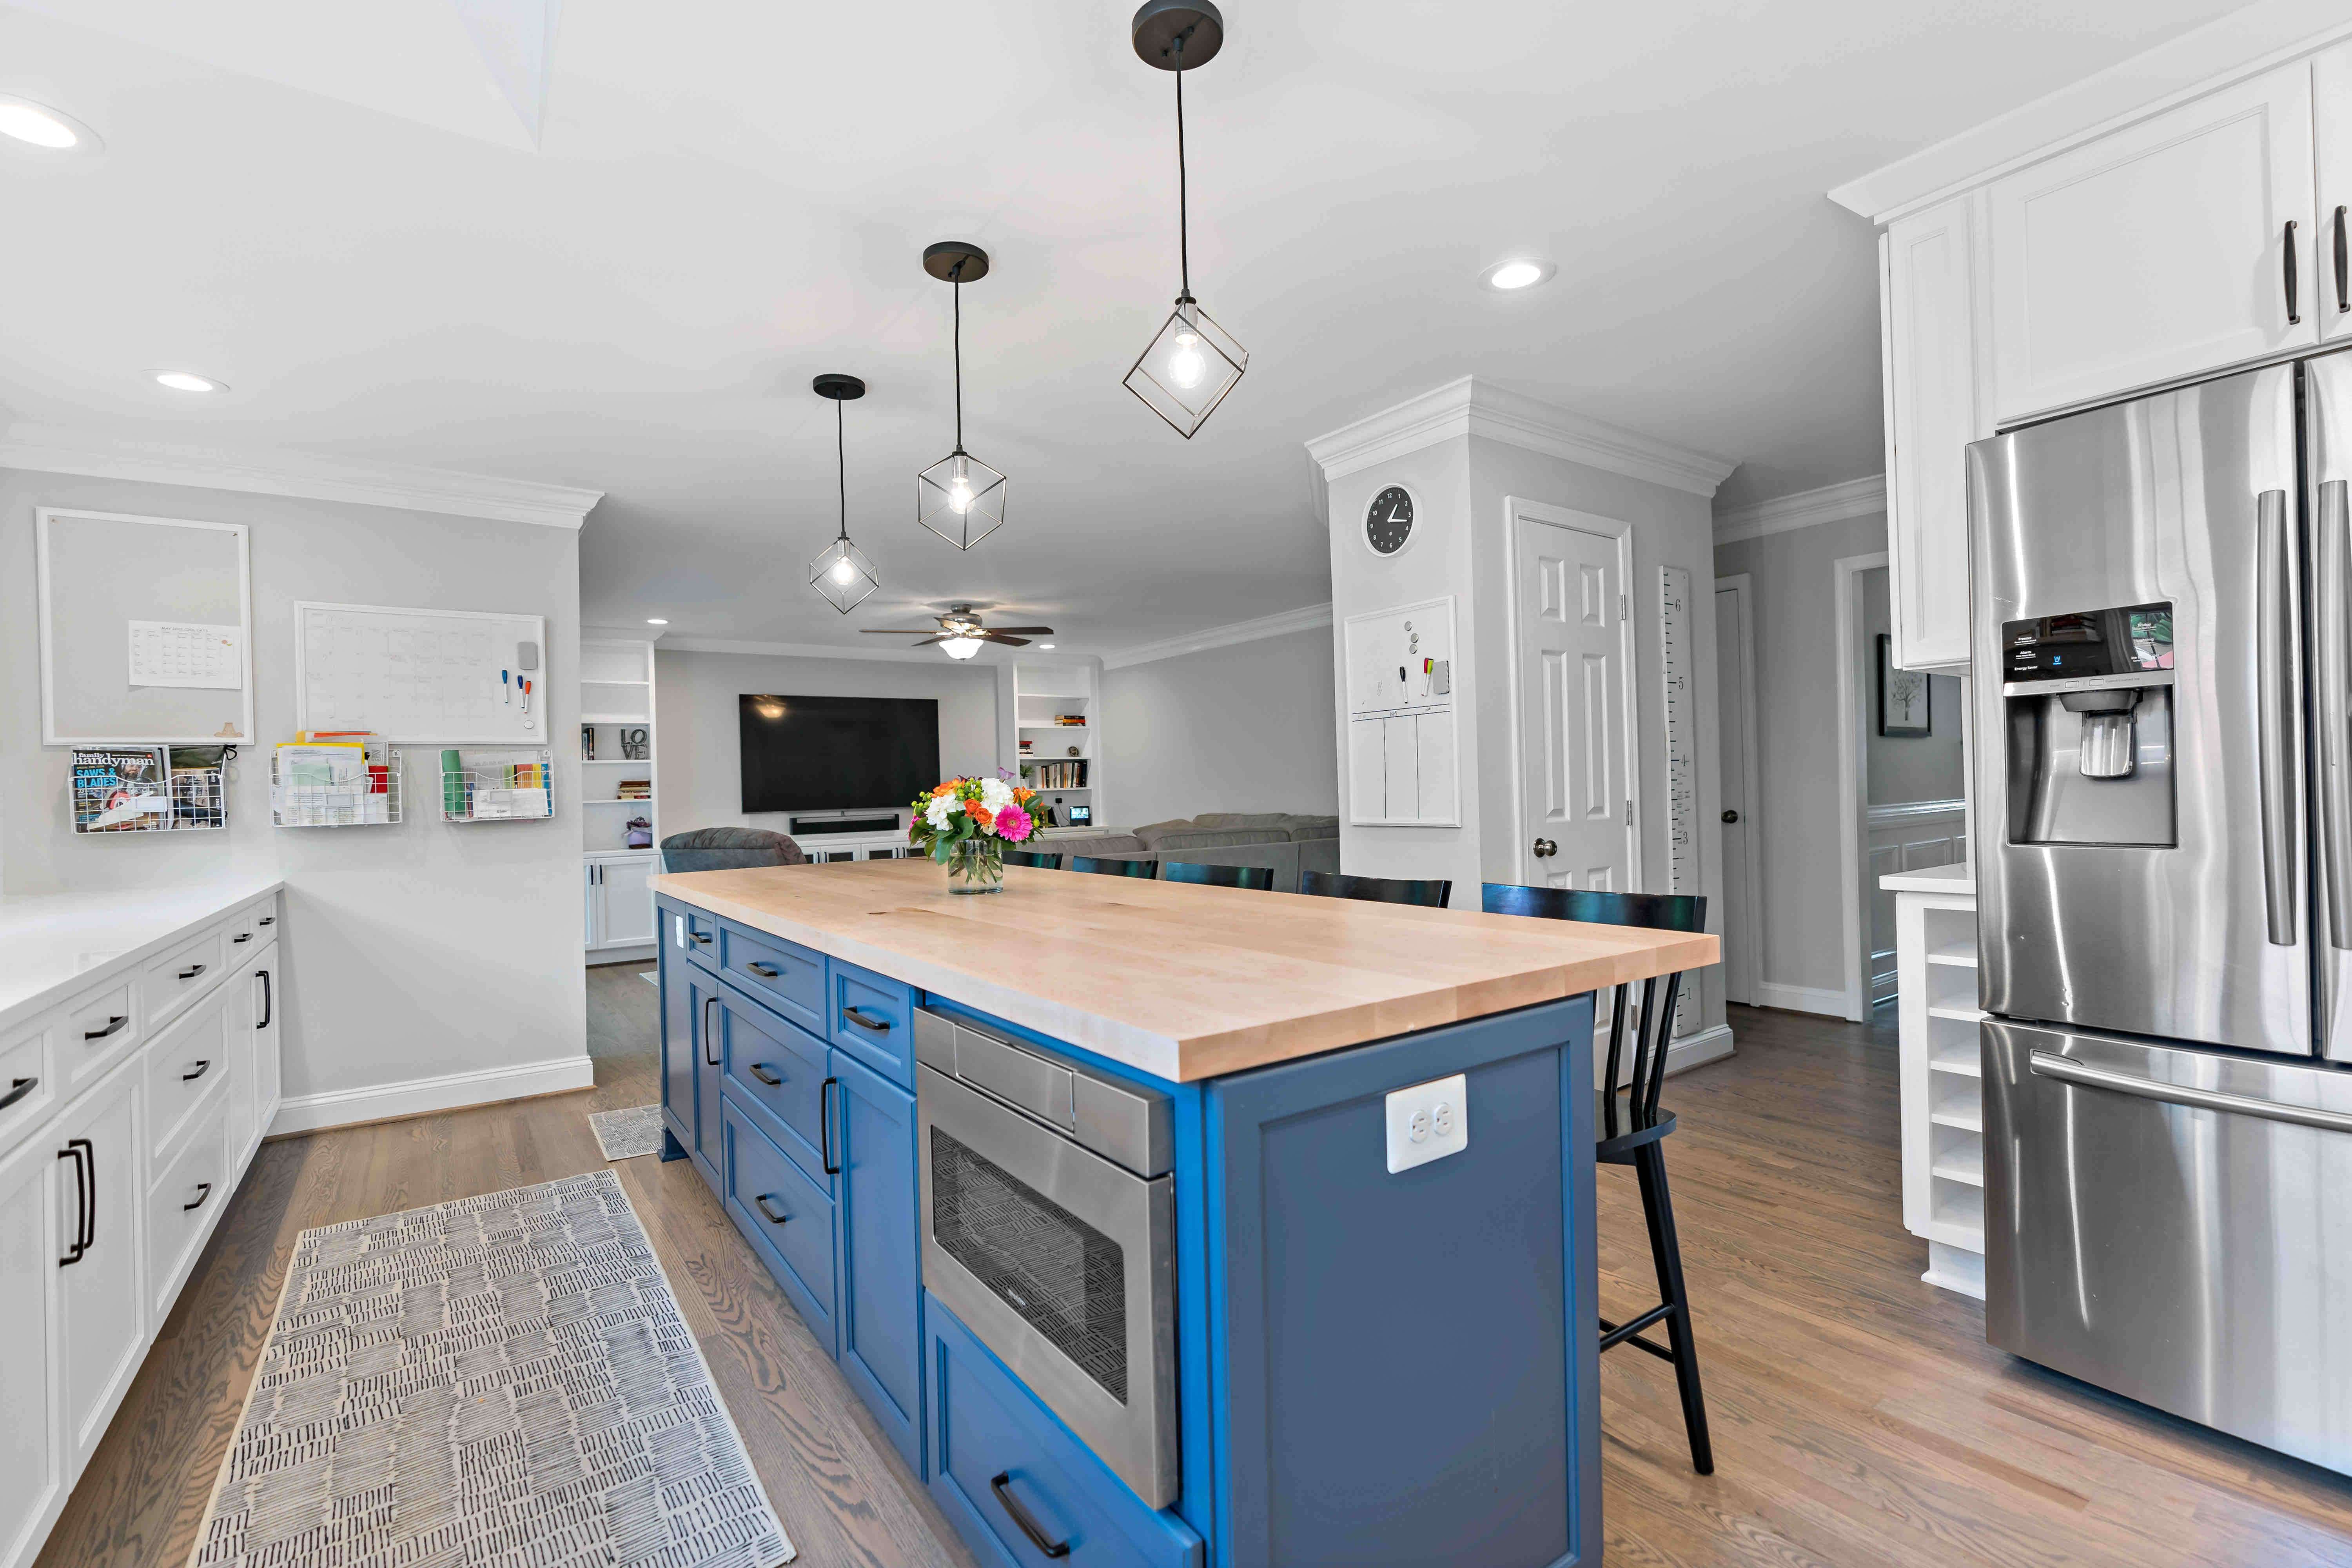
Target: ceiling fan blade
{"type": "Point", "coordinates": [934, 637]}
{"type": "Point", "coordinates": [1000, 636]}
{"type": "Point", "coordinates": [900, 631]}
{"type": "Point", "coordinates": [1032, 631]}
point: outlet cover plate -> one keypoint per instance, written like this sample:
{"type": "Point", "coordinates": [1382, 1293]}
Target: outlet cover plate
{"type": "Point", "coordinates": [1428, 1121]}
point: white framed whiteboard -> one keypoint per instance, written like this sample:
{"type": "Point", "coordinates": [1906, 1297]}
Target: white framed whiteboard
{"type": "Point", "coordinates": [421, 677]}
{"type": "Point", "coordinates": [146, 629]}
{"type": "Point", "coordinates": [1403, 761]}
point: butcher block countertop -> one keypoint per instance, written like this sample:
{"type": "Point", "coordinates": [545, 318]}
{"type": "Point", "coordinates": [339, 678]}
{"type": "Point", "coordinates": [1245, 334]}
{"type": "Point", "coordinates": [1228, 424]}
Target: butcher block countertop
{"type": "Point", "coordinates": [1175, 979]}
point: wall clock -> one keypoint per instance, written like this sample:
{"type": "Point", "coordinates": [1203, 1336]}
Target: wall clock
{"type": "Point", "coordinates": [1388, 521]}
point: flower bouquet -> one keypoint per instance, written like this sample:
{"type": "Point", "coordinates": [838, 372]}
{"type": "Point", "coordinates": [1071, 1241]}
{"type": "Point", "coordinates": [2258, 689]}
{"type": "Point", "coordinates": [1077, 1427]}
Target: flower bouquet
{"type": "Point", "coordinates": [965, 823]}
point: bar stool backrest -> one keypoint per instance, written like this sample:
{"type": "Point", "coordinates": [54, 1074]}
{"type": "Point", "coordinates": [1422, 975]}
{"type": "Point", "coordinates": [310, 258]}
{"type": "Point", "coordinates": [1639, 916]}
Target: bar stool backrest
{"type": "Point", "coordinates": [1257, 878]}
{"type": "Point", "coordinates": [1144, 868]}
{"type": "Point", "coordinates": [1032, 858]}
{"type": "Point", "coordinates": [1432, 894]}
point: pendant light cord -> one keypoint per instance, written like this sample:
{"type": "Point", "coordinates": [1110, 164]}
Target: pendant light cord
{"type": "Point", "coordinates": [840, 463]}
{"type": "Point", "coordinates": [956, 276]}
{"type": "Point", "coordinates": [1183, 221]}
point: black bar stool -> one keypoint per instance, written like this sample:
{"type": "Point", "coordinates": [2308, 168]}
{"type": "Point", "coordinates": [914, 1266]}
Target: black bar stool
{"type": "Point", "coordinates": [1144, 868]}
{"type": "Point", "coordinates": [1636, 1142]}
{"type": "Point", "coordinates": [1257, 878]}
{"type": "Point", "coordinates": [1031, 857]}
{"type": "Point", "coordinates": [1377, 889]}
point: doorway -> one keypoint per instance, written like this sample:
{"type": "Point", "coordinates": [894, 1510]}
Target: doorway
{"type": "Point", "coordinates": [1734, 687]}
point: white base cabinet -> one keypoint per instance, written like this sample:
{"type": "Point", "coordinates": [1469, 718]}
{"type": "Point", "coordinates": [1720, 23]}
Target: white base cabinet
{"type": "Point", "coordinates": [110, 1186]}
{"type": "Point", "coordinates": [620, 902]}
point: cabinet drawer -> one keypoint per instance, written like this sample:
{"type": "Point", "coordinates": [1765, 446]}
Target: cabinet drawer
{"type": "Point", "coordinates": [790, 979]}
{"type": "Point", "coordinates": [701, 931]}
{"type": "Point", "coordinates": [25, 1089]}
{"type": "Point", "coordinates": [872, 1019]}
{"type": "Point", "coordinates": [787, 1217]}
{"type": "Point", "coordinates": [191, 1190]}
{"type": "Point", "coordinates": [96, 1032]}
{"type": "Point", "coordinates": [999, 1457]}
{"type": "Point", "coordinates": [760, 1045]}
{"type": "Point", "coordinates": [180, 976]}
{"type": "Point", "coordinates": [185, 1066]}
{"type": "Point", "coordinates": [245, 933]}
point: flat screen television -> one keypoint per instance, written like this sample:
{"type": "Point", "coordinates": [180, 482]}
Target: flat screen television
{"type": "Point", "coordinates": [847, 753]}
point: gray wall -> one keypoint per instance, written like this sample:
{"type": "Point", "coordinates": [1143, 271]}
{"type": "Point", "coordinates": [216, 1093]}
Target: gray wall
{"type": "Point", "coordinates": [1907, 767]}
{"type": "Point", "coordinates": [1243, 728]}
{"type": "Point", "coordinates": [1796, 814]}
{"type": "Point", "coordinates": [697, 742]}
{"type": "Point", "coordinates": [410, 951]}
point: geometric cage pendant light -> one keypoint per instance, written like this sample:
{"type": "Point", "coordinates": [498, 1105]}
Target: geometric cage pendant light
{"type": "Point", "coordinates": [1190, 363]}
{"type": "Point", "coordinates": [841, 571]}
{"type": "Point", "coordinates": [959, 498]}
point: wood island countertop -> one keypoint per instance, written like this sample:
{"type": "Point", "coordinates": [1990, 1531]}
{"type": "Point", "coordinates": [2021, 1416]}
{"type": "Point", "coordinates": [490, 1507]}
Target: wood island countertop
{"type": "Point", "coordinates": [1175, 979]}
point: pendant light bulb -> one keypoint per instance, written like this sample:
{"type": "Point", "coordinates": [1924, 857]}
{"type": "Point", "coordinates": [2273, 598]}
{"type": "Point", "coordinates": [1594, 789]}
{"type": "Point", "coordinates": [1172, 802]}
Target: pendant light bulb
{"type": "Point", "coordinates": [1187, 365]}
{"type": "Point", "coordinates": [960, 488]}
{"type": "Point", "coordinates": [843, 572]}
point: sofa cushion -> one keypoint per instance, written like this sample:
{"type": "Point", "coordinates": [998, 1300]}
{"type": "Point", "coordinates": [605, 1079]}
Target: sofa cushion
{"type": "Point", "coordinates": [1232, 819]}
{"type": "Point", "coordinates": [1111, 846]}
{"type": "Point", "coordinates": [1305, 828]}
{"type": "Point", "coordinates": [1215, 837]}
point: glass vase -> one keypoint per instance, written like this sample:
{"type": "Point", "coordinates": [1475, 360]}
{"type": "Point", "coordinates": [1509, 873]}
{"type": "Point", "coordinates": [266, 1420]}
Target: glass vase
{"type": "Point", "coordinates": [976, 866]}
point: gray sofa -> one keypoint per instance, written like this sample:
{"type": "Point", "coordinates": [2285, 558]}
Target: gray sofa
{"type": "Point", "coordinates": [1281, 840]}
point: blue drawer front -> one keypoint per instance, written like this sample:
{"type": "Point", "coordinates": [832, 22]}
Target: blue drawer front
{"type": "Point", "coordinates": [701, 934]}
{"type": "Point", "coordinates": [873, 1020]}
{"type": "Point", "coordinates": [991, 1441]}
{"type": "Point", "coordinates": [787, 978]}
{"type": "Point", "coordinates": [792, 1111]}
{"type": "Point", "coordinates": [798, 1248]}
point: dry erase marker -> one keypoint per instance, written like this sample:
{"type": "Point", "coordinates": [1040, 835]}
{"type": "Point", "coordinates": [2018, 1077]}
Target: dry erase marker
{"type": "Point", "coordinates": [504, 686]}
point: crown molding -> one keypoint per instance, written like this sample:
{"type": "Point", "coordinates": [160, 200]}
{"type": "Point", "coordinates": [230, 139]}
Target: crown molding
{"type": "Point", "coordinates": [985, 658]}
{"type": "Point", "coordinates": [1785, 514]}
{"type": "Point", "coordinates": [40, 448]}
{"type": "Point", "coordinates": [1288, 621]}
{"type": "Point", "coordinates": [2227, 49]}
{"type": "Point", "coordinates": [1473, 407]}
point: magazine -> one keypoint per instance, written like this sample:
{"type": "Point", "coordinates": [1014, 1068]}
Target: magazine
{"type": "Point", "coordinates": [124, 789]}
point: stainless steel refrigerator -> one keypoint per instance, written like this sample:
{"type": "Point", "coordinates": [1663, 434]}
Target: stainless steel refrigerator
{"type": "Point", "coordinates": [2163, 699]}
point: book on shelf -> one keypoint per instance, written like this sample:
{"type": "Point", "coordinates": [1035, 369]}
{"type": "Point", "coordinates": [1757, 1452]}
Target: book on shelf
{"type": "Point", "coordinates": [1071, 721]}
{"type": "Point", "coordinates": [1058, 775]}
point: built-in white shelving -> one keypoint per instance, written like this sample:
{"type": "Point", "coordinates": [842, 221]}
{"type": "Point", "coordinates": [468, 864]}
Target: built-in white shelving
{"type": "Point", "coordinates": [1943, 1073]}
{"type": "Point", "coordinates": [616, 709]}
{"type": "Point", "coordinates": [1041, 693]}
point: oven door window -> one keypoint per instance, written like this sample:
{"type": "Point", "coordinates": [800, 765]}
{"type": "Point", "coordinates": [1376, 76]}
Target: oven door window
{"type": "Point", "coordinates": [1067, 1279]}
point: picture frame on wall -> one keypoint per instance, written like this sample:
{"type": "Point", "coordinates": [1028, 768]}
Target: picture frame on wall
{"type": "Point", "coordinates": [1906, 698]}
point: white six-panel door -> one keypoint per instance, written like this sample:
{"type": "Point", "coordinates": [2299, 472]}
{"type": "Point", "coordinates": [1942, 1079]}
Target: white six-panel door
{"type": "Point", "coordinates": [1574, 658]}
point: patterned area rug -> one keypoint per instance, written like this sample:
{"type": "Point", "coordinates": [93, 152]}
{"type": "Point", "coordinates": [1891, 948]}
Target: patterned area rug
{"type": "Point", "coordinates": [625, 1134]}
{"type": "Point", "coordinates": [504, 1380]}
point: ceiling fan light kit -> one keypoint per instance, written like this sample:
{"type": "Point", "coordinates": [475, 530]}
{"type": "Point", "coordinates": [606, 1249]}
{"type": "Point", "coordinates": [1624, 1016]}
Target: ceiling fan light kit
{"type": "Point", "coordinates": [841, 574]}
{"type": "Point", "coordinates": [1190, 363]}
{"type": "Point", "coordinates": [959, 498]}
{"type": "Point", "coordinates": [961, 632]}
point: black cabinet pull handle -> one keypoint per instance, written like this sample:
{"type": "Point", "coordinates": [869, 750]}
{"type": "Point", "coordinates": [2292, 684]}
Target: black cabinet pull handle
{"type": "Point", "coordinates": [707, 1059]}
{"type": "Point", "coordinates": [204, 1066]}
{"type": "Point", "coordinates": [204, 1191]}
{"type": "Point", "coordinates": [2343, 266]}
{"type": "Point", "coordinates": [267, 921]}
{"type": "Point", "coordinates": [871, 1025]}
{"type": "Point", "coordinates": [700, 936]}
{"type": "Point", "coordinates": [764, 970]}
{"type": "Point", "coordinates": [2294, 315]}
{"type": "Point", "coordinates": [84, 1155]}
{"type": "Point", "coordinates": [17, 1090]}
{"type": "Point", "coordinates": [113, 1025]}
{"type": "Point", "coordinates": [1001, 1486]}
{"type": "Point", "coordinates": [192, 974]}
{"type": "Point", "coordinates": [241, 936]}
{"type": "Point", "coordinates": [761, 1203]}
{"type": "Point", "coordinates": [825, 1125]}
{"type": "Point", "coordinates": [268, 999]}
{"type": "Point", "coordinates": [766, 1074]}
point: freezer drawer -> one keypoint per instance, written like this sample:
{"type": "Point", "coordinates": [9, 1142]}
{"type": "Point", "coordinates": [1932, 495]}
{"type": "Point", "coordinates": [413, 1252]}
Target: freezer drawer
{"type": "Point", "coordinates": [2174, 1225]}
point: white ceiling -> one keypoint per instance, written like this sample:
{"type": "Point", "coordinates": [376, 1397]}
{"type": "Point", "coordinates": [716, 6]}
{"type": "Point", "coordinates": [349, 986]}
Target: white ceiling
{"type": "Point", "coordinates": [359, 231]}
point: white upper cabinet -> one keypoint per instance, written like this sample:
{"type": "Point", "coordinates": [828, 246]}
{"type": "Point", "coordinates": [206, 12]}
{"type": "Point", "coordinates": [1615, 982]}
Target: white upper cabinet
{"type": "Point", "coordinates": [1932, 414]}
{"type": "Point", "coordinates": [2158, 251]}
{"type": "Point", "coordinates": [2331, 110]}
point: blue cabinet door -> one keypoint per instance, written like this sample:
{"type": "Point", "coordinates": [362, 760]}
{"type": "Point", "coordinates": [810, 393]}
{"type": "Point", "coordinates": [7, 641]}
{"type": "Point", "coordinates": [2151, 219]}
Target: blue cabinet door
{"type": "Point", "coordinates": [881, 1276]}
{"type": "Point", "coordinates": [676, 1027]}
{"type": "Point", "coordinates": [1407, 1364]}
{"type": "Point", "coordinates": [705, 1037]}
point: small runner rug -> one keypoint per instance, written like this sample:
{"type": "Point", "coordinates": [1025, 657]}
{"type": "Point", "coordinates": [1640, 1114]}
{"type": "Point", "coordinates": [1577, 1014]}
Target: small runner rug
{"type": "Point", "coordinates": [505, 1379]}
{"type": "Point", "coordinates": [625, 1134]}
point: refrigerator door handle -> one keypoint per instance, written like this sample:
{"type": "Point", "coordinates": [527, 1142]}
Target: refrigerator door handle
{"type": "Point", "coordinates": [2274, 639]}
{"type": "Point", "coordinates": [2334, 680]}
{"type": "Point", "coordinates": [2044, 1064]}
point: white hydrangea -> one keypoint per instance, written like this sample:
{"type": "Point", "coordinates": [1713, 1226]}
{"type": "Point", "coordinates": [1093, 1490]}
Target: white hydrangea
{"type": "Point", "coordinates": [995, 794]}
{"type": "Point", "coordinates": [942, 806]}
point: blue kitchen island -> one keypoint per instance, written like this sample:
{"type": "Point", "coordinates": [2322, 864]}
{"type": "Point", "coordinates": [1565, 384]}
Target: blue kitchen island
{"type": "Point", "coordinates": [1166, 1225]}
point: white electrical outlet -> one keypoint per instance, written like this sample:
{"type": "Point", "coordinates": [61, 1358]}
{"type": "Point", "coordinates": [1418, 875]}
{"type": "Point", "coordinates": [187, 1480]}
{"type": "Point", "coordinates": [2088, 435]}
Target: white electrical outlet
{"type": "Point", "coordinates": [1428, 1121]}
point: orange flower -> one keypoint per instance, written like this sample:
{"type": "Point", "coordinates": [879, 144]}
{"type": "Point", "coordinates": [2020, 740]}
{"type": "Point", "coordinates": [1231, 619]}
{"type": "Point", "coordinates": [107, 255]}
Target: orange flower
{"type": "Point", "coordinates": [943, 788]}
{"type": "Point", "coordinates": [979, 814]}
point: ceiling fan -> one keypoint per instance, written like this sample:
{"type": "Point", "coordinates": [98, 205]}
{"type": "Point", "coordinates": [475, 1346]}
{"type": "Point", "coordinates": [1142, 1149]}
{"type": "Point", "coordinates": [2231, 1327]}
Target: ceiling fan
{"type": "Point", "coordinates": [961, 633]}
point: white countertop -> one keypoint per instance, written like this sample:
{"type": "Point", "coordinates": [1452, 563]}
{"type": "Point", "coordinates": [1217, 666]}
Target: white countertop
{"type": "Point", "coordinates": [1959, 876]}
{"type": "Point", "coordinates": [52, 944]}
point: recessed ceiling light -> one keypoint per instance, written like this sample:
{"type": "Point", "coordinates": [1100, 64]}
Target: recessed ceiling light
{"type": "Point", "coordinates": [187, 381]}
{"type": "Point", "coordinates": [655, 621]}
{"type": "Point", "coordinates": [50, 129]}
{"type": "Point", "coordinates": [1511, 276]}
{"type": "Point", "coordinates": [1046, 646]}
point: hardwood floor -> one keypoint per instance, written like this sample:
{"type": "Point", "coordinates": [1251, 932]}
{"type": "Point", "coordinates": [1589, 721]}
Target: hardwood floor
{"type": "Point", "coordinates": [843, 1494]}
{"type": "Point", "coordinates": [1859, 1418]}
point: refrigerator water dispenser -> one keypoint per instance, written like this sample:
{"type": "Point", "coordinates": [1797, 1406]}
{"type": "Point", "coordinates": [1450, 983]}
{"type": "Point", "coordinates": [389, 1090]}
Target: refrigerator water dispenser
{"type": "Point", "coordinates": [2089, 696]}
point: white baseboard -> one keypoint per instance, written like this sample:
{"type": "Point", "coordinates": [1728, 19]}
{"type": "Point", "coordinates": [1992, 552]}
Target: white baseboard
{"type": "Point", "coordinates": [638, 954]}
{"type": "Point", "coordinates": [422, 1096]}
{"type": "Point", "coordinates": [1801, 998]}
{"type": "Point", "coordinates": [1697, 1050]}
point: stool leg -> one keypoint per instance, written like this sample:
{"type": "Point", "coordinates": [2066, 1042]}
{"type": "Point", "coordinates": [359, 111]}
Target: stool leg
{"type": "Point", "coordinates": [1665, 1252]}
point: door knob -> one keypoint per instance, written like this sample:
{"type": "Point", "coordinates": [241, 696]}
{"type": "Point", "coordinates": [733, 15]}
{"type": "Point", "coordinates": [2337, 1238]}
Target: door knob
{"type": "Point", "coordinates": [1730, 817]}
{"type": "Point", "coordinates": [1544, 847]}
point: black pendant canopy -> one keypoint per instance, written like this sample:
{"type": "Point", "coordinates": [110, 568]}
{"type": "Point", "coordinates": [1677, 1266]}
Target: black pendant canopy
{"type": "Point", "coordinates": [959, 498]}
{"type": "Point", "coordinates": [1190, 363]}
{"type": "Point", "coordinates": [841, 571]}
